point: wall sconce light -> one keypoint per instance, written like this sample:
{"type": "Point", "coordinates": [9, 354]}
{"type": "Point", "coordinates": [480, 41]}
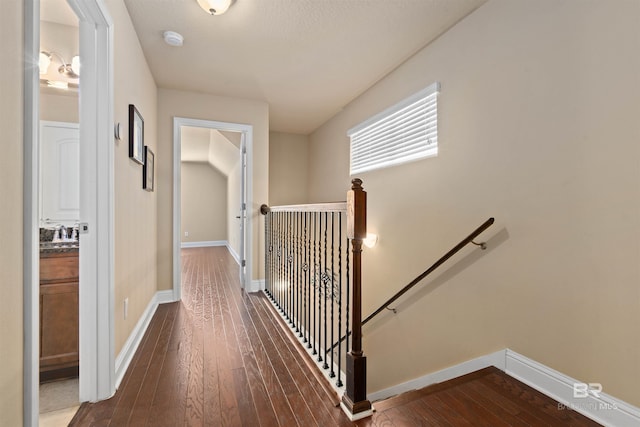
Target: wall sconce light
{"type": "Point", "coordinates": [371, 240]}
{"type": "Point", "coordinates": [215, 7]}
{"type": "Point", "coordinates": [70, 70]}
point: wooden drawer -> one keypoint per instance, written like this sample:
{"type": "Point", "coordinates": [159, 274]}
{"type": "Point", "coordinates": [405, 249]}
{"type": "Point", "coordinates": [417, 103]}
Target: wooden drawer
{"type": "Point", "coordinates": [59, 267]}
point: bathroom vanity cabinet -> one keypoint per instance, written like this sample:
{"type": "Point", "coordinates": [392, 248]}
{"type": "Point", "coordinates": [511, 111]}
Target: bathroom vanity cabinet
{"type": "Point", "coordinates": [58, 314]}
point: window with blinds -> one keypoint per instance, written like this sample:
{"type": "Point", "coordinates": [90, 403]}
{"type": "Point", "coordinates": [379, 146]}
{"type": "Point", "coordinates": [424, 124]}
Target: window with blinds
{"type": "Point", "coordinates": [402, 133]}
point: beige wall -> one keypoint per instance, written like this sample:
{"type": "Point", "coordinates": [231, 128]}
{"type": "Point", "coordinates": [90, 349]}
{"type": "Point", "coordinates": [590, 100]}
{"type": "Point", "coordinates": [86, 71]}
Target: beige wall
{"type": "Point", "coordinates": [11, 325]}
{"type": "Point", "coordinates": [59, 108]}
{"type": "Point", "coordinates": [203, 203]}
{"type": "Point", "coordinates": [288, 168]}
{"type": "Point", "coordinates": [173, 103]}
{"type": "Point", "coordinates": [538, 126]}
{"type": "Point", "coordinates": [58, 105]}
{"type": "Point", "coordinates": [135, 209]}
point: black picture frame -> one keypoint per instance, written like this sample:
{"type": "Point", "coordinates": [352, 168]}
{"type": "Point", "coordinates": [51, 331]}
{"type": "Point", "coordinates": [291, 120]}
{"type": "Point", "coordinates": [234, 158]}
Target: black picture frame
{"type": "Point", "coordinates": [148, 169]}
{"type": "Point", "coordinates": [136, 135]}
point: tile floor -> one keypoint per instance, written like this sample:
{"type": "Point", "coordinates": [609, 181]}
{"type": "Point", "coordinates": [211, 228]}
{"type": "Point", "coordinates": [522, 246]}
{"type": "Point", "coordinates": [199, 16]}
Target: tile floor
{"type": "Point", "coordinates": [58, 402]}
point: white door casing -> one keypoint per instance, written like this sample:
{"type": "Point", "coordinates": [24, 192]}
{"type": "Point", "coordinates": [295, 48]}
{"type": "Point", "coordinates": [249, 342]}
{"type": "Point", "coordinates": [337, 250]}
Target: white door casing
{"type": "Point", "coordinates": [97, 359]}
{"type": "Point", "coordinates": [247, 139]}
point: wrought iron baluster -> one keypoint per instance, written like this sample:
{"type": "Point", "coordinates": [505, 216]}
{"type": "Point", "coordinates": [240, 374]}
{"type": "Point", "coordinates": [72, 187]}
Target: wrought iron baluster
{"type": "Point", "coordinates": [339, 381]}
{"type": "Point", "coordinates": [332, 373]}
{"type": "Point", "coordinates": [325, 280]}
{"type": "Point", "coordinates": [298, 271]}
{"type": "Point", "coordinates": [315, 281]}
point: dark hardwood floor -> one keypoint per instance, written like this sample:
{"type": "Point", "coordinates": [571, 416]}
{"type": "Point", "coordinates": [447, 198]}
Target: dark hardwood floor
{"type": "Point", "coordinates": [221, 358]}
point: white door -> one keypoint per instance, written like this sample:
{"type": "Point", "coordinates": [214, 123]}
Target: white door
{"type": "Point", "coordinates": [60, 173]}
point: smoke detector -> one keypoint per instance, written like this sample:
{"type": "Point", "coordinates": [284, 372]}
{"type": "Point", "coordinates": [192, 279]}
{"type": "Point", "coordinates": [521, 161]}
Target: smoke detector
{"type": "Point", "coordinates": [172, 38]}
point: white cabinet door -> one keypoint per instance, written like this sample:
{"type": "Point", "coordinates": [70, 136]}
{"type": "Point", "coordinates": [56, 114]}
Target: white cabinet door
{"type": "Point", "coordinates": [59, 173]}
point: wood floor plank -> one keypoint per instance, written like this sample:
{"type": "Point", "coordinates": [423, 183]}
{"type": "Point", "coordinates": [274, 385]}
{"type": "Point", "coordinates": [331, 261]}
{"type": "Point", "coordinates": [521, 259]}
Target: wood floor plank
{"type": "Point", "coordinates": [229, 414]}
{"type": "Point", "coordinates": [142, 407]}
{"type": "Point", "coordinates": [432, 417]}
{"type": "Point", "coordinates": [131, 390]}
{"type": "Point", "coordinates": [211, 390]}
{"type": "Point", "coordinates": [544, 406]}
{"type": "Point", "coordinates": [165, 402]}
{"type": "Point", "coordinates": [293, 357]}
{"type": "Point", "coordinates": [302, 412]}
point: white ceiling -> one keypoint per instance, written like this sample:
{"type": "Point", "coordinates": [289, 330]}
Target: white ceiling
{"type": "Point", "coordinates": [210, 146]}
{"type": "Point", "coordinates": [306, 58]}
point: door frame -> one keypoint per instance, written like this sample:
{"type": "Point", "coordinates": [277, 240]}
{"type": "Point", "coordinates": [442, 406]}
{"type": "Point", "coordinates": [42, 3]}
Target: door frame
{"type": "Point", "coordinates": [247, 132]}
{"type": "Point", "coordinates": [96, 289]}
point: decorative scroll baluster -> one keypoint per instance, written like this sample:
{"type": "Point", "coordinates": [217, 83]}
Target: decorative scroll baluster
{"type": "Point", "coordinates": [332, 374]}
{"type": "Point", "coordinates": [307, 281]}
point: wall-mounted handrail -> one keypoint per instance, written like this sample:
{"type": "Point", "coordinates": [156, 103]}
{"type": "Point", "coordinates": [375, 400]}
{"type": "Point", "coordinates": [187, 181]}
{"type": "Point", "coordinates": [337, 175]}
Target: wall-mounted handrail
{"type": "Point", "coordinates": [438, 263]}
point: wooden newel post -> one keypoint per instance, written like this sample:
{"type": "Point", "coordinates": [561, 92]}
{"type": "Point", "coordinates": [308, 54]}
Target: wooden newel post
{"type": "Point", "coordinates": [354, 400]}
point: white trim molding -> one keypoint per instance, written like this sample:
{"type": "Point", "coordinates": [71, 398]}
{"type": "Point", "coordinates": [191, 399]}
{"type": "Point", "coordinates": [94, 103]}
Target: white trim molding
{"type": "Point", "coordinates": [135, 338]}
{"type": "Point", "coordinates": [31, 255]}
{"type": "Point", "coordinates": [233, 253]}
{"type": "Point", "coordinates": [600, 407]}
{"type": "Point", "coordinates": [494, 359]}
{"type": "Point", "coordinates": [247, 131]}
{"type": "Point", "coordinates": [256, 286]}
{"type": "Point", "coordinates": [204, 244]}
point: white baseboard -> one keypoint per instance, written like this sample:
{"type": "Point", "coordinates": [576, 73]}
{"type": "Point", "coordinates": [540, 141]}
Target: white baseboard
{"type": "Point", "coordinates": [233, 253]}
{"type": "Point", "coordinates": [204, 244]}
{"type": "Point", "coordinates": [603, 408]}
{"type": "Point", "coordinates": [256, 286]}
{"type": "Point", "coordinates": [131, 345]}
{"type": "Point", "coordinates": [496, 359]}
{"type": "Point", "coordinates": [163, 297]}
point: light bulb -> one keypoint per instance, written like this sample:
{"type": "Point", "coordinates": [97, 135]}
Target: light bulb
{"type": "Point", "coordinates": [75, 64]}
{"type": "Point", "coordinates": [43, 62]}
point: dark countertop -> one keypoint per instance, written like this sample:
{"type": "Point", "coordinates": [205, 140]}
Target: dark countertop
{"type": "Point", "coordinates": [49, 248]}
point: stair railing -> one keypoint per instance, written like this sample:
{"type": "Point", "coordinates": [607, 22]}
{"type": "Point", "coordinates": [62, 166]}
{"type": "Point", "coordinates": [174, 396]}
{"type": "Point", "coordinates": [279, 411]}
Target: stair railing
{"type": "Point", "coordinates": [469, 239]}
{"type": "Point", "coordinates": [313, 278]}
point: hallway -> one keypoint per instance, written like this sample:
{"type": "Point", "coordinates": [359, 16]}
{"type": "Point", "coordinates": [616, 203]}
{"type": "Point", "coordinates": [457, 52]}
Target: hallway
{"type": "Point", "coordinates": [215, 358]}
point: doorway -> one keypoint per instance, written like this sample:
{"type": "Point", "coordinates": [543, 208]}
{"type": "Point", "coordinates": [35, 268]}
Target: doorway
{"type": "Point", "coordinates": [239, 229]}
{"type": "Point", "coordinates": [95, 294]}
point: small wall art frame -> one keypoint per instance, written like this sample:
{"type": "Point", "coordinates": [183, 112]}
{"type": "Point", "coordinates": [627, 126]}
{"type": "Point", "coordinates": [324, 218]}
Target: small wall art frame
{"type": "Point", "coordinates": [136, 135]}
{"type": "Point", "coordinates": [148, 169]}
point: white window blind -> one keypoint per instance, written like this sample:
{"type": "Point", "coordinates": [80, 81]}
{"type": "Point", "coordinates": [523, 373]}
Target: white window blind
{"type": "Point", "coordinates": [402, 133]}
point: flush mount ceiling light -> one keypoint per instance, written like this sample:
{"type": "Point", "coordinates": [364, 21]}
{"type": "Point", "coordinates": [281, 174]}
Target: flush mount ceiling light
{"type": "Point", "coordinates": [71, 70]}
{"type": "Point", "coordinates": [172, 38]}
{"type": "Point", "coordinates": [215, 7]}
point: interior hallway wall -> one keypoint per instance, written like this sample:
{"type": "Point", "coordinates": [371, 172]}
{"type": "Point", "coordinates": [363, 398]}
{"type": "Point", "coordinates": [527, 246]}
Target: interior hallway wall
{"type": "Point", "coordinates": [203, 203]}
{"type": "Point", "coordinates": [288, 168]}
{"type": "Point", "coordinates": [135, 209]}
{"type": "Point", "coordinates": [538, 126]}
{"type": "Point", "coordinates": [59, 108]}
